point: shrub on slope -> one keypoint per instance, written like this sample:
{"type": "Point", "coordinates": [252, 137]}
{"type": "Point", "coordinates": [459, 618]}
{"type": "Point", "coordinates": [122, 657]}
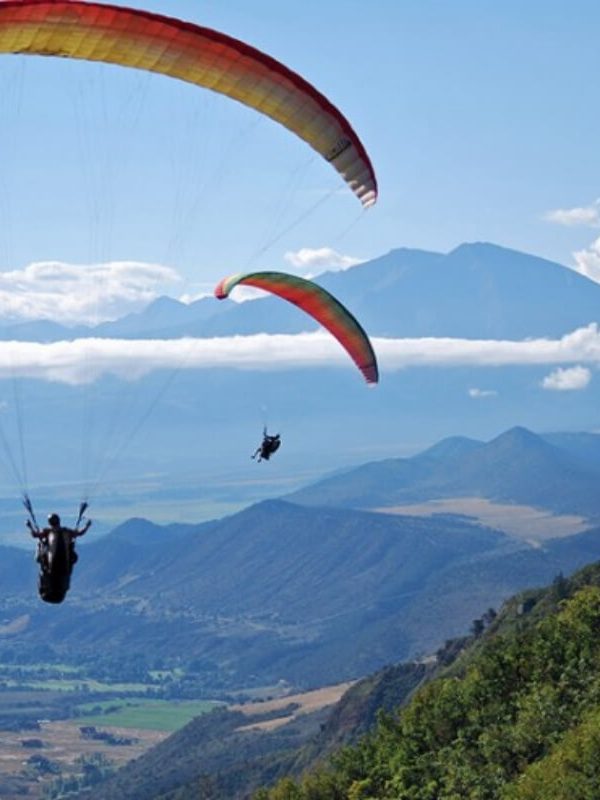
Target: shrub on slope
{"type": "Point", "coordinates": [516, 722]}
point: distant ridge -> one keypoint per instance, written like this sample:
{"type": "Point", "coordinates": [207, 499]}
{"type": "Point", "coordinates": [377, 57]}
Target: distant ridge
{"type": "Point", "coordinates": [518, 466]}
{"type": "Point", "coordinates": [476, 290]}
{"type": "Point", "coordinates": [317, 591]}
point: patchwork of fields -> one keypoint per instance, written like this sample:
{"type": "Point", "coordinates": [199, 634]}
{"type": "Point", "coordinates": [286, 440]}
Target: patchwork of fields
{"type": "Point", "coordinates": [61, 730]}
{"type": "Point", "coordinates": [59, 727]}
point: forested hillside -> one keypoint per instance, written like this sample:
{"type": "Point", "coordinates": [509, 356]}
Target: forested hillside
{"type": "Point", "coordinates": [515, 717]}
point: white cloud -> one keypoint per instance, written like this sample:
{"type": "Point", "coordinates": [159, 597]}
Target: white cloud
{"type": "Point", "coordinates": [584, 215]}
{"type": "Point", "coordinates": [567, 380]}
{"type": "Point", "coordinates": [478, 393]}
{"type": "Point", "coordinates": [587, 261]}
{"type": "Point", "coordinates": [308, 259]}
{"type": "Point", "coordinates": [581, 345]}
{"type": "Point", "coordinates": [84, 360]}
{"type": "Point", "coordinates": [75, 294]}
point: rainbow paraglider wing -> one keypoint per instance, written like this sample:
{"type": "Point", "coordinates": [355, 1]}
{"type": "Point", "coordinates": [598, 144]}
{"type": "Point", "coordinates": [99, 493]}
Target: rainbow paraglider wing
{"type": "Point", "coordinates": [320, 304]}
{"type": "Point", "coordinates": [135, 38]}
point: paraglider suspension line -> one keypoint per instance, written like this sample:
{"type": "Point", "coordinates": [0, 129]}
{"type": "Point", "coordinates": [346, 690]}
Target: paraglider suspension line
{"type": "Point", "coordinates": [83, 507]}
{"type": "Point", "coordinates": [29, 508]}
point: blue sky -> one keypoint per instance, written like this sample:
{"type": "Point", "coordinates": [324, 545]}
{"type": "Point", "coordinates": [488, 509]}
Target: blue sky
{"type": "Point", "coordinates": [481, 120]}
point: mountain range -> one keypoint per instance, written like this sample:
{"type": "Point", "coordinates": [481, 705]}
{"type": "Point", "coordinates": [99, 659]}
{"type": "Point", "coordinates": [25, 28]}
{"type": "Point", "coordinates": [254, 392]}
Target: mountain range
{"type": "Point", "coordinates": [476, 290]}
{"type": "Point", "coordinates": [320, 587]}
{"type": "Point", "coordinates": [557, 472]}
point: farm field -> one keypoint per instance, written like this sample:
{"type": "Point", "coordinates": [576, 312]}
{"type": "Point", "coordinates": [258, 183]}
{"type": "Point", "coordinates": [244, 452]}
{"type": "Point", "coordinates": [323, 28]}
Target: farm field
{"type": "Point", "coordinates": [530, 524]}
{"type": "Point", "coordinates": [31, 761]}
{"type": "Point", "coordinates": [303, 703]}
{"type": "Point", "coordinates": [151, 715]}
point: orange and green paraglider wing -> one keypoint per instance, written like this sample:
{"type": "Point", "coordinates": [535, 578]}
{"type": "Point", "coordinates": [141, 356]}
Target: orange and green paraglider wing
{"type": "Point", "coordinates": [320, 304]}
{"type": "Point", "coordinates": [135, 38]}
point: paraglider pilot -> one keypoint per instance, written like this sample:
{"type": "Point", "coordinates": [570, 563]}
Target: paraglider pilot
{"type": "Point", "coordinates": [56, 555]}
{"type": "Point", "coordinates": [55, 527]}
{"type": "Point", "coordinates": [269, 445]}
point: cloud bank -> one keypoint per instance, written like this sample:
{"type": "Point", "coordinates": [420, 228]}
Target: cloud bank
{"type": "Point", "coordinates": [74, 294]}
{"type": "Point", "coordinates": [85, 360]}
{"type": "Point", "coordinates": [581, 345]}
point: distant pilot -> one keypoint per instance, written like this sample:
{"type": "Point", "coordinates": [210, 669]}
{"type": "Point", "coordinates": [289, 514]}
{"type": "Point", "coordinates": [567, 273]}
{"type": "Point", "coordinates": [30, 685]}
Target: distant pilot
{"type": "Point", "coordinates": [269, 445]}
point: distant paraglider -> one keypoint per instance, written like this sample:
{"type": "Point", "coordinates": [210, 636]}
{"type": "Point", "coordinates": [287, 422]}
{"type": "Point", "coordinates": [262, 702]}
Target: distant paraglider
{"type": "Point", "coordinates": [321, 305]}
{"type": "Point", "coordinates": [268, 446]}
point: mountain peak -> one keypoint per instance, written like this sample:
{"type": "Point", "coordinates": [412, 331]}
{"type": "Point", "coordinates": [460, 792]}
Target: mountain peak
{"type": "Point", "coordinates": [163, 303]}
{"type": "Point", "coordinates": [519, 442]}
{"type": "Point", "coordinates": [519, 433]}
{"type": "Point", "coordinates": [470, 247]}
{"type": "Point", "coordinates": [137, 530]}
{"type": "Point", "coordinates": [483, 247]}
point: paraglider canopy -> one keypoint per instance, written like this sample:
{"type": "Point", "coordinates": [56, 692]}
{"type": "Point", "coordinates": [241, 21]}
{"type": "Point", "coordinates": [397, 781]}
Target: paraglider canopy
{"type": "Point", "coordinates": [320, 304]}
{"type": "Point", "coordinates": [144, 40]}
